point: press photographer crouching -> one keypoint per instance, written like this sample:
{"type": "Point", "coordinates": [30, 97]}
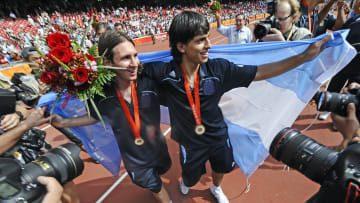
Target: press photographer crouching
{"type": "Point", "coordinates": [338, 104]}
{"type": "Point", "coordinates": [280, 26]}
{"type": "Point", "coordinates": [18, 181]}
{"type": "Point", "coordinates": [338, 173]}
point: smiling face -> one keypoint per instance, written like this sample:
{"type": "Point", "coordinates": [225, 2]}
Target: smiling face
{"type": "Point", "coordinates": [240, 21]}
{"type": "Point", "coordinates": [196, 51]}
{"type": "Point", "coordinates": [125, 55]}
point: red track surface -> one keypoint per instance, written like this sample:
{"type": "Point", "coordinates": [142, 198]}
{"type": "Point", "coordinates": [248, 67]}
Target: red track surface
{"type": "Point", "coordinates": [270, 183]}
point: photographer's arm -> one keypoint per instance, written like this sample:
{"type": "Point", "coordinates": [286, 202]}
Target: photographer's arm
{"type": "Point", "coordinates": [348, 126]}
{"type": "Point", "coordinates": [341, 16]}
{"type": "Point", "coordinates": [269, 70]}
{"type": "Point", "coordinates": [10, 138]}
{"type": "Point", "coordinates": [218, 20]}
{"type": "Point", "coordinates": [322, 14]}
{"type": "Point", "coordinates": [53, 187]}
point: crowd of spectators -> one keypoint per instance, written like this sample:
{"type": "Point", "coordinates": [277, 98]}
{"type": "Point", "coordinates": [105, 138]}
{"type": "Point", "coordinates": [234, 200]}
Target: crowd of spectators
{"type": "Point", "coordinates": [137, 22]}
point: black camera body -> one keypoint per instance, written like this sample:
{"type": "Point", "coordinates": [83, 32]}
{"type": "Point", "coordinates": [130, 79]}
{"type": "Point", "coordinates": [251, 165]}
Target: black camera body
{"type": "Point", "coordinates": [12, 189]}
{"type": "Point", "coordinates": [263, 27]}
{"type": "Point", "coordinates": [336, 102]}
{"type": "Point", "coordinates": [22, 91]}
{"type": "Point", "coordinates": [338, 173]}
{"type": "Point", "coordinates": [19, 184]}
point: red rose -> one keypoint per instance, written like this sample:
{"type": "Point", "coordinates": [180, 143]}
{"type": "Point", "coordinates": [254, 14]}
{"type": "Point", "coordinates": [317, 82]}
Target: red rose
{"type": "Point", "coordinates": [62, 54]}
{"type": "Point", "coordinates": [91, 58]}
{"type": "Point", "coordinates": [81, 74]}
{"type": "Point", "coordinates": [58, 40]}
{"type": "Point", "coordinates": [50, 78]}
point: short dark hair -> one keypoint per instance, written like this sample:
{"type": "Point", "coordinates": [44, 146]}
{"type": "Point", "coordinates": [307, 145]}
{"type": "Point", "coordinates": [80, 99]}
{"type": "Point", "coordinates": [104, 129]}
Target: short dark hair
{"type": "Point", "coordinates": [101, 25]}
{"type": "Point", "coordinates": [27, 52]}
{"type": "Point", "coordinates": [184, 27]}
{"type": "Point", "coordinates": [117, 24]}
{"type": "Point", "coordinates": [109, 40]}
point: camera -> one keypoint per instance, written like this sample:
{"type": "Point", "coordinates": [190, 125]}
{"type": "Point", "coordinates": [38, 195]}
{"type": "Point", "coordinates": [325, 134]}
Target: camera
{"type": "Point", "coordinates": [338, 173]}
{"type": "Point", "coordinates": [336, 102]}
{"type": "Point", "coordinates": [263, 27]}
{"type": "Point", "coordinates": [25, 88]}
{"type": "Point", "coordinates": [31, 144]}
{"type": "Point", "coordinates": [19, 184]}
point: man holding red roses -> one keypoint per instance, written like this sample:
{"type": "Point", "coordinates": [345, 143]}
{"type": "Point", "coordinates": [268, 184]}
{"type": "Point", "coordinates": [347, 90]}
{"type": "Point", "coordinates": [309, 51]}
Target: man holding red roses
{"type": "Point", "coordinates": [132, 107]}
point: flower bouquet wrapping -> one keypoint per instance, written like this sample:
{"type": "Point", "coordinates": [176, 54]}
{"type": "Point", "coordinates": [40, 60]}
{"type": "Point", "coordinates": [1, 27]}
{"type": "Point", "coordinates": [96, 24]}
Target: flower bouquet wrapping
{"type": "Point", "coordinates": [68, 69]}
{"type": "Point", "coordinates": [214, 7]}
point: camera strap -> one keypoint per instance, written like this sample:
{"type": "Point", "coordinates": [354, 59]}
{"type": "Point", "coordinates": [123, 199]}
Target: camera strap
{"type": "Point", "coordinates": [352, 193]}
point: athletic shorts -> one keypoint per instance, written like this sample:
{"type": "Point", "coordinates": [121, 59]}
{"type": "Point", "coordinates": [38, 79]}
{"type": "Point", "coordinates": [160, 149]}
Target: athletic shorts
{"type": "Point", "coordinates": [149, 177]}
{"type": "Point", "coordinates": [193, 161]}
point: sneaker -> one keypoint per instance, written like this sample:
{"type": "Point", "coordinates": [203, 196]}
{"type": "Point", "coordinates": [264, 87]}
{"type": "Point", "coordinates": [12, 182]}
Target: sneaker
{"type": "Point", "coordinates": [183, 188]}
{"type": "Point", "coordinates": [324, 115]}
{"type": "Point", "coordinates": [219, 194]}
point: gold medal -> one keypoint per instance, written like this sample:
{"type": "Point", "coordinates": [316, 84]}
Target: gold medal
{"type": "Point", "coordinates": [200, 129]}
{"type": "Point", "coordinates": [139, 141]}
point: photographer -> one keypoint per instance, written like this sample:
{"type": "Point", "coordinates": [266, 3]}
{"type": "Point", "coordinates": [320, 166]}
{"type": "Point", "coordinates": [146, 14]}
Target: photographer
{"type": "Point", "coordinates": [288, 14]}
{"type": "Point", "coordinates": [9, 138]}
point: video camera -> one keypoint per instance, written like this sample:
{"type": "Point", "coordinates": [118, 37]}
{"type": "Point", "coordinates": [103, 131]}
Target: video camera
{"type": "Point", "coordinates": [338, 173]}
{"type": "Point", "coordinates": [19, 184]}
{"type": "Point", "coordinates": [263, 27]}
{"type": "Point", "coordinates": [336, 102]}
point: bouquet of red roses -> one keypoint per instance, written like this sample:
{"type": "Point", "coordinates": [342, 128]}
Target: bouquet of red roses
{"type": "Point", "coordinates": [69, 70]}
{"type": "Point", "coordinates": [214, 7]}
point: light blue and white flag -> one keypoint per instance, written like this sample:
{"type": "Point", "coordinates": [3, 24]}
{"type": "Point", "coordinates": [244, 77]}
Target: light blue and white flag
{"type": "Point", "coordinates": [256, 114]}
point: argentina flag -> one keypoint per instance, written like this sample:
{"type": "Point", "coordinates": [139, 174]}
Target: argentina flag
{"type": "Point", "coordinates": [255, 114]}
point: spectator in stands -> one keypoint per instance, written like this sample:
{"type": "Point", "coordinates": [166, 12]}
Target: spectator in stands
{"type": "Point", "coordinates": [119, 27]}
{"type": "Point", "coordinates": [100, 28]}
{"type": "Point", "coordinates": [288, 14]}
{"type": "Point", "coordinates": [237, 33]}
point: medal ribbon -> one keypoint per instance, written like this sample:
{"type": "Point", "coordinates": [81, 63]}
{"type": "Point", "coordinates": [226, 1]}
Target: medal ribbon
{"type": "Point", "coordinates": [195, 106]}
{"type": "Point", "coordinates": [135, 125]}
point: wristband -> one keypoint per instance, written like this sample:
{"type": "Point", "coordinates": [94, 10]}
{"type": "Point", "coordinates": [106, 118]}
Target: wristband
{"type": "Point", "coordinates": [21, 115]}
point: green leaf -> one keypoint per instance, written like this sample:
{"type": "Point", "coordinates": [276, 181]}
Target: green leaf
{"type": "Point", "coordinates": [97, 112]}
{"type": "Point", "coordinates": [61, 63]}
{"type": "Point", "coordinates": [53, 105]}
{"type": "Point", "coordinates": [40, 52]}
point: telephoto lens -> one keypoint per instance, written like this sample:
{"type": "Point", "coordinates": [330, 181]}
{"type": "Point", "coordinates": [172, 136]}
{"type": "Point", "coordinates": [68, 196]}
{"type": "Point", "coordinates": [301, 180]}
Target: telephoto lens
{"type": "Point", "coordinates": [335, 102]}
{"type": "Point", "coordinates": [62, 162]}
{"type": "Point", "coordinates": [303, 154]}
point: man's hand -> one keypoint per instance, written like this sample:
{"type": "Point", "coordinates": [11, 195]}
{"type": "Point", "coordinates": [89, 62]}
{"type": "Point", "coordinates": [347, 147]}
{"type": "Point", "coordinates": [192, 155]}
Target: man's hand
{"type": "Point", "coordinates": [315, 49]}
{"type": "Point", "coordinates": [9, 121]}
{"type": "Point", "coordinates": [53, 188]}
{"type": "Point", "coordinates": [57, 121]}
{"type": "Point", "coordinates": [347, 126]}
{"type": "Point", "coordinates": [353, 85]}
{"type": "Point", "coordinates": [36, 118]}
{"type": "Point", "coordinates": [275, 36]}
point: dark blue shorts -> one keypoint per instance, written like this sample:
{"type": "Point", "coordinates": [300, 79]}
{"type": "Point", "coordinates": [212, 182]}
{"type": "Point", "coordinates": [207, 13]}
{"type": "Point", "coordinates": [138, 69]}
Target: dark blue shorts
{"type": "Point", "coordinates": [149, 177]}
{"type": "Point", "coordinates": [193, 161]}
